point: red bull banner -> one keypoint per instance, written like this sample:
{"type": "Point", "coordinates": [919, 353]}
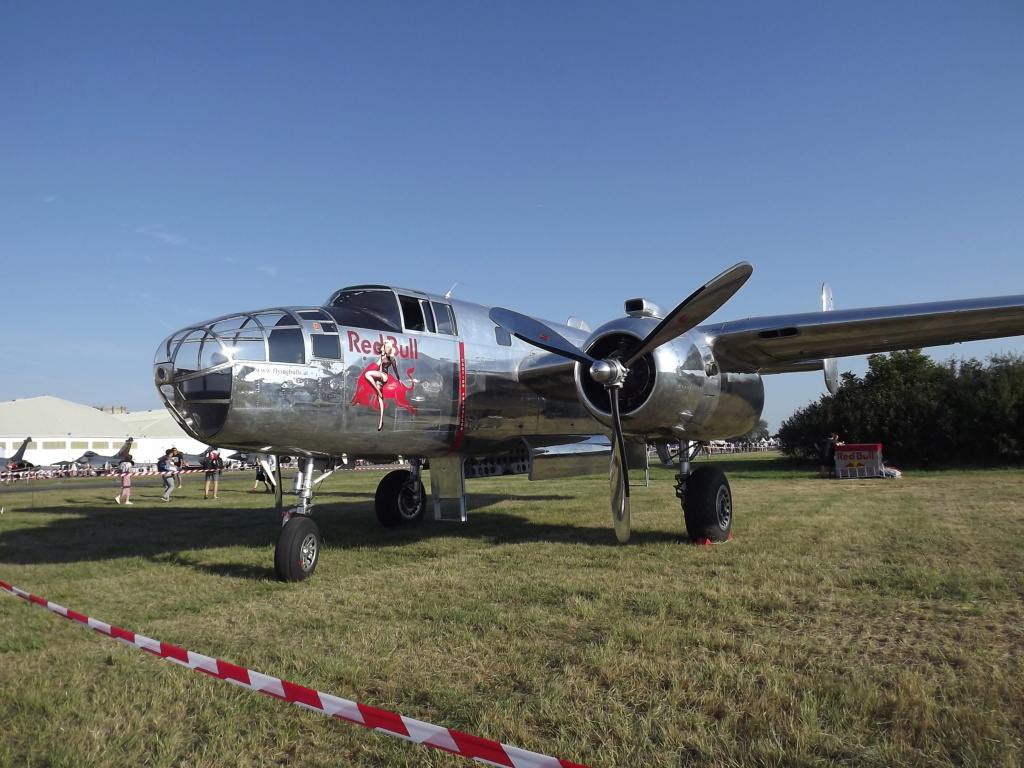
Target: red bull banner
{"type": "Point", "coordinates": [859, 460]}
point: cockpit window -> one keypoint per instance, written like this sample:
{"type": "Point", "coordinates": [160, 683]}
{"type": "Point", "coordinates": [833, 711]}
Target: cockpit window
{"type": "Point", "coordinates": [412, 313]}
{"type": "Point", "coordinates": [285, 341]}
{"type": "Point", "coordinates": [373, 309]}
{"type": "Point", "coordinates": [428, 315]}
{"type": "Point", "coordinates": [166, 350]}
{"type": "Point", "coordinates": [212, 354]}
{"type": "Point", "coordinates": [445, 318]}
{"type": "Point", "coordinates": [326, 345]}
{"type": "Point", "coordinates": [186, 359]}
{"type": "Point", "coordinates": [241, 338]}
{"type": "Point", "coordinates": [244, 340]}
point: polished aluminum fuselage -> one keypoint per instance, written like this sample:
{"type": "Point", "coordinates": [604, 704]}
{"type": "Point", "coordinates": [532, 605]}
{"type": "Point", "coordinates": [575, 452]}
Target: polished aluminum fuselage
{"type": "Point", "coordinates": [298, 380]}
{"type": "Point", "coordinates": [471, 392]}
{"type": "Point", "coordinates": [458, 394]}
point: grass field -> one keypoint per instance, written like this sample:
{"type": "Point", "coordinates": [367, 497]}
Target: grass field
{"type": "Point", "coordinates": [849, 623]}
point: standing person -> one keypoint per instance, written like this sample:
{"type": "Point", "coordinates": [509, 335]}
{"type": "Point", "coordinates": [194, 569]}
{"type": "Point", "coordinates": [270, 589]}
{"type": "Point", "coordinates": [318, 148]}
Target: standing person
{"type": "Point", "coordinates": [272, 478]}
{"type": "Point", "coordinates": [213, 464]}
{"type": "Point", "coordinates": [827, 454]}
{"type": "Point", "coordinates": [179, 464]}
{"type": "Point", "coordinates": [167, 470]}
{"type": "Point", "coordinates": [261, 476]}
{"type": "Point", "coordinates": [125, 468]}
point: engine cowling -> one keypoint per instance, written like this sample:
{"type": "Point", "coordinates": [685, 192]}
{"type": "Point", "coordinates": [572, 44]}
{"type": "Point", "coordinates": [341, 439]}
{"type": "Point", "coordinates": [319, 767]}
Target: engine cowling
{"type": "Point", "coordinates": [676, 391]}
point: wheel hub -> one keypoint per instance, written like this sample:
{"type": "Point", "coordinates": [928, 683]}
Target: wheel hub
{"type": "Point", "coordinates": [723, 508]}
{"type": "Point", "coordinates": [409, 501]}
{"type": "Point", "coordinates": [307, 553]}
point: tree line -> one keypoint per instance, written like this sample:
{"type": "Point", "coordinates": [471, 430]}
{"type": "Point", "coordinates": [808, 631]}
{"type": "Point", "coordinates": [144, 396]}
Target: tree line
{"type": "Point", "coordinates": [925, 414]}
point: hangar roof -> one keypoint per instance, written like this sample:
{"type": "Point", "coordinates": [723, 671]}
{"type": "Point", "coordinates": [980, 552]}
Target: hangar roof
{"type": "Point", "coordinates": [47, 416]}
{"type": "Point", "coordinates": [52, 417]}
{"type": "Point", "coordinates": [157, 424]}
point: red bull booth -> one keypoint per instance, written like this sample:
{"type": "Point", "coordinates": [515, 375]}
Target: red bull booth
{"type": "Point", "coordinates": [859, 460]}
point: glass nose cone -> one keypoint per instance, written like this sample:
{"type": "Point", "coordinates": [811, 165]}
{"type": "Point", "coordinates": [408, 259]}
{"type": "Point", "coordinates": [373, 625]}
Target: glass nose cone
{"type": "Point", "coordinates": [193, 370]}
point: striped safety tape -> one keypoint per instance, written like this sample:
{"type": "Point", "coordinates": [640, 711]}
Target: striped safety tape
{"type": "Point", "coordinates": [172, 472]}
{"type": "Point", "coordinates": [50, 475]}
{"type": "Point", "coordinates": [24, 475]}
{"type": "Point", "coordinates": [417, 731]}
{"type": "Point", "coordinates": [368, 468]}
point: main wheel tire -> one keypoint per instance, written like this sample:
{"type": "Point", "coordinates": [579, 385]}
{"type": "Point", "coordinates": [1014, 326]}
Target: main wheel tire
{"type": "Point", "coordinates": [400, 499]}
{"type": "Point", "coordinates": [707, 505]}
{"type": "Point", "coordinates": [298, 549]}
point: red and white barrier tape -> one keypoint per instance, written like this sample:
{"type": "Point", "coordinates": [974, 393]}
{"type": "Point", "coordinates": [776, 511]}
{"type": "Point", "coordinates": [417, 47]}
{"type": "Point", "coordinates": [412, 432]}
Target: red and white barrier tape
{"type": "Point", "coordinates": [368, 467]}
{"type": "Point", "coordinates": [25, 475]}
{"type": "Point", "coordinates": [171, 472]}
{"type": "Point", "coordinates": [47, 475]}
{"type": "Point", "coordinates": [417, 731]}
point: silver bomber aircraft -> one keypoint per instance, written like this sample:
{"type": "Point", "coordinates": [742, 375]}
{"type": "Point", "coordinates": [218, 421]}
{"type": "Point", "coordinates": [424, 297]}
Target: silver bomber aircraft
{"type": "Point", "coordinates": [380, 372]}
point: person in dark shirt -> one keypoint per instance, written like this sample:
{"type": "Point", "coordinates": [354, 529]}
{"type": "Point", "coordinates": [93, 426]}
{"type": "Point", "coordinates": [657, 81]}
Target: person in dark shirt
{"type": "Point", "coordinates": [213, 464]}
{"type": "Point", "coordinates": [827, 454]}
{"type": "Point", "coordinates": [167, 469]}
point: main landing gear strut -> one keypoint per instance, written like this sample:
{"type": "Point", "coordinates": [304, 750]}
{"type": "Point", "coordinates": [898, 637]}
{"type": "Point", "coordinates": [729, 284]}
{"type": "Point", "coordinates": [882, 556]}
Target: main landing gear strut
{"type": "Point", "coordinates": [400, 500]}
{"type": "Point", "coordinates": [706, 498]}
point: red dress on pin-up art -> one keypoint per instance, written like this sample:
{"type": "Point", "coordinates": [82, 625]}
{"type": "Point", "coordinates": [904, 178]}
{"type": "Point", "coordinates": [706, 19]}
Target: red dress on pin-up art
{"type": "Point", "coordinates": [393, 389]}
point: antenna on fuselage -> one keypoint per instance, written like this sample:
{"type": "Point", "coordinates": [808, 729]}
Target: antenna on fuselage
{"type": "Point", "coordinates": [449, 294]}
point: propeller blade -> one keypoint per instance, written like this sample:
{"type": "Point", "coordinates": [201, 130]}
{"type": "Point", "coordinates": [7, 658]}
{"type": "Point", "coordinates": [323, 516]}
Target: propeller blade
{"type": "Point", "coordinates": [830, 364]}
{"type": "Point", "coordinates": [695, 308]}
{"type": "Point", "coordinates": [537, 333]}
{"type": "Point", "coordinates": [619, 475]}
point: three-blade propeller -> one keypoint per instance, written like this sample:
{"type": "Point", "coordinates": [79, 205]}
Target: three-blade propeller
{"type": "Point", "coordinates": [612, 372]}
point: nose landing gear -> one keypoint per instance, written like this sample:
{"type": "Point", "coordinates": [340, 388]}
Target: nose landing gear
{"type": "Point", "coordinates": [299, 542]}
{"type": "Point", "coordinates": [298, 549]}
{"type": "Point", "coordinates": [400, 500]}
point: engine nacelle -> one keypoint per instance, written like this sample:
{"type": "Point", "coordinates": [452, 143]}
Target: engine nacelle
{"type": "Point", "coordinates": [676, 391]}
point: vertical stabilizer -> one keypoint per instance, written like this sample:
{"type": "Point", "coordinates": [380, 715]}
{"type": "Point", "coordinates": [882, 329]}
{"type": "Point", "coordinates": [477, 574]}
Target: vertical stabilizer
{"type": "Point", "coordinates": [20, 453]}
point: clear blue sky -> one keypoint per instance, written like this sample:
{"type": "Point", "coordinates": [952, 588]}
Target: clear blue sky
{"type": "Point", "coordinates": [165, 163]}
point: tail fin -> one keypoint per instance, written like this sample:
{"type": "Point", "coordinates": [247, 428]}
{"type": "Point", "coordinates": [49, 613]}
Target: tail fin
{"type": "Point", "coordinates": [20, 453]}
{"type": "Point", "coordinates": [123, 451]}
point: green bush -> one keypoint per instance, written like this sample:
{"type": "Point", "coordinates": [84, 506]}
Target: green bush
{"type": "Point", "coordinates": [925, 414]}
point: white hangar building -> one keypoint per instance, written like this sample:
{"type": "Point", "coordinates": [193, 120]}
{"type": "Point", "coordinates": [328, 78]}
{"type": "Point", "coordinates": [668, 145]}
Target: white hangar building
{"type": "Point", "coordinates": [63, 431]}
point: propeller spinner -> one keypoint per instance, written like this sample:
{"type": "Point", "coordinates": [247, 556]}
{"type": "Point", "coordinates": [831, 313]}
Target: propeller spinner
{"type": "Point", "coordinates": [612, 372]}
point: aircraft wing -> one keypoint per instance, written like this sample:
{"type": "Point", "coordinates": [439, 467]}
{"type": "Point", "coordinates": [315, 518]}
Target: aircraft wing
{"type": "Point", "coordinates": [783, 343]}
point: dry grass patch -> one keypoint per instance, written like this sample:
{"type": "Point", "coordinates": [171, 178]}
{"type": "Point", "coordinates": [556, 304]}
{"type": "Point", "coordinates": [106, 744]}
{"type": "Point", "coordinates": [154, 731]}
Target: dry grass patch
{"type": "Point", "coordinates": [851, 623]}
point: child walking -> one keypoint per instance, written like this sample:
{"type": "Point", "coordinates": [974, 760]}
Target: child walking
{"type": "Point", "coordinates": [125, 468]}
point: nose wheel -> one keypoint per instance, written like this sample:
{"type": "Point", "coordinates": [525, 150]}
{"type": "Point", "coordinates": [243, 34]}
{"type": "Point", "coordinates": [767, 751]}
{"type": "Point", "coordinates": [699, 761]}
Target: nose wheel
{"type": "Point", "coordinates": [298, 549]}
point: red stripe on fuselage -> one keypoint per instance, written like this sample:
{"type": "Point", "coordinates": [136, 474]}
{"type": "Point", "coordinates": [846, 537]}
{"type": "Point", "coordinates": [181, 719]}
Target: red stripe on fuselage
{"type": "Point", "coordinates": [460, 427]}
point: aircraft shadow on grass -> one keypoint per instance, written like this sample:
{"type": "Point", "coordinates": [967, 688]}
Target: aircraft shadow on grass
{"type": "Point", "coordinates": [171, 533]}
